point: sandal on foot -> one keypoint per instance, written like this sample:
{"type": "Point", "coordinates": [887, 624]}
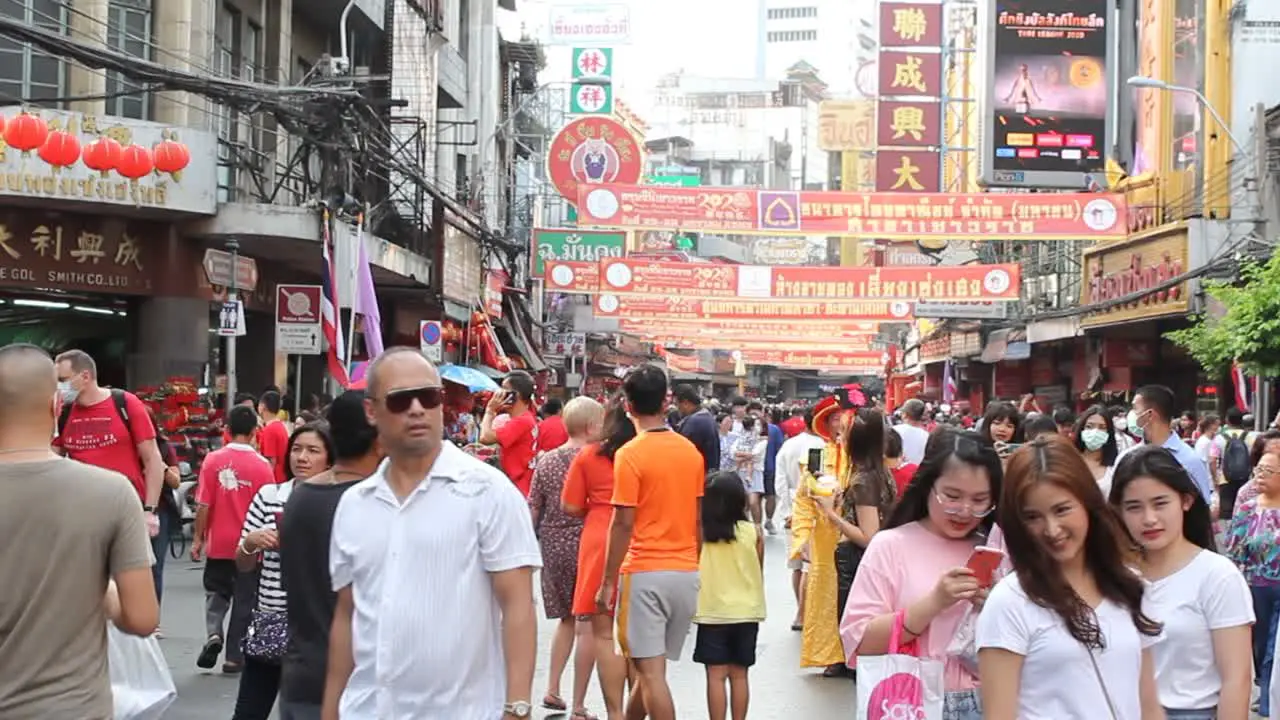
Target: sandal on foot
{"type": "Point", "coordinates": [583, 714]}
{"type": "Point", "coordinates": [554, 702]}
{"type": "Point", "coordinates": [797, 627]}
{"type": "Point", "coordinates": [835, 671]}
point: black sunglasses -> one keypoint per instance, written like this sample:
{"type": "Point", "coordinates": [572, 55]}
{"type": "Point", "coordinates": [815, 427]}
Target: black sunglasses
{"type": "Point", "coordinates": [429, 397]}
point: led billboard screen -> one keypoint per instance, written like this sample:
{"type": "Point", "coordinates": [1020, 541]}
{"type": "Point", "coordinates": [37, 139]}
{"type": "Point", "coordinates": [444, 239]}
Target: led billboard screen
{"type": "Point", "coordinates": [1048, 92]}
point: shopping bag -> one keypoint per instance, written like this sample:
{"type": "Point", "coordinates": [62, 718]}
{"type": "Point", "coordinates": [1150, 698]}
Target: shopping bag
{"type": "Point", "coordinates": [964, 644]}
{"type": "Point", "coordinates": [141, 684]}
{"type": "Point", "coordinates": [898, 686]}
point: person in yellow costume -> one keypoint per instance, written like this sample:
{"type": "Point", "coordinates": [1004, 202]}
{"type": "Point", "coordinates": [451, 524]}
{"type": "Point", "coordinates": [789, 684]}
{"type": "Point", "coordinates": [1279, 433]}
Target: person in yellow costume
{"type": "Point", "coordinates": [814, 539]}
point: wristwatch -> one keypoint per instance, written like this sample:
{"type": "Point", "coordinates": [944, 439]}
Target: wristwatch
{"type": "Point", "coordinates": [149, 508]}
{"type": "Point", "coordinates": [520, 709]}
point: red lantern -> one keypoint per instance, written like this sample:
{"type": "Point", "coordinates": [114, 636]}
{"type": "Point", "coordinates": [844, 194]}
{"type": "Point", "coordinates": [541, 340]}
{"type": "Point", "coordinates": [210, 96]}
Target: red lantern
{"type": "Point", "coordinates": [171, 157]}
{"type": "Point", "coordinates": [102, 155]}
{"type": "Point", "coordinates": [135, 162]}
{"type": "Point", "coordinates": [60, 150]}
{"type": "Point", "coordinates": [26, 132]}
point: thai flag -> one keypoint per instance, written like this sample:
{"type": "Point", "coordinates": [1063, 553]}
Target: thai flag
{"type": "Point", "coordinates": [948, 383]}
{"type": "Point", "coordinates": [329, 309]}
{"type": "Point", "coordinates": [1245, 387]}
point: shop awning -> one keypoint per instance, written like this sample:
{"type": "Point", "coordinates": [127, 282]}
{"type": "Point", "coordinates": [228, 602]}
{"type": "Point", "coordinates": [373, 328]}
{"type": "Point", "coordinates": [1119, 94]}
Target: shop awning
{"type": "Point", "coordinates": [512, 323]}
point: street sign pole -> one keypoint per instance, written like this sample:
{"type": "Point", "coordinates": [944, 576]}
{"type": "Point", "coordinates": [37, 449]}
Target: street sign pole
{"type": "Point", "coordinates": [233, 246]}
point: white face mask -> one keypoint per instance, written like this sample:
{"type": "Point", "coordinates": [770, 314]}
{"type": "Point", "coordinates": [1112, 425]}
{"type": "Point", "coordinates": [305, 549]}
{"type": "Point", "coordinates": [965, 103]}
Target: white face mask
{"type": "Point", "coordinates": [68, 393]}
{"type": "Point", "coordinates": [1093, 438]}
{"type": "Point", "coordinates": [1121, 423]}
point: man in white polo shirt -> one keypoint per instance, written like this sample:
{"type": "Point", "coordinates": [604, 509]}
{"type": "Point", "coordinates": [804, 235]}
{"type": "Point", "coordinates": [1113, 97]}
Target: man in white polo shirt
{"type": "Point", "coordinates": [432, 558]}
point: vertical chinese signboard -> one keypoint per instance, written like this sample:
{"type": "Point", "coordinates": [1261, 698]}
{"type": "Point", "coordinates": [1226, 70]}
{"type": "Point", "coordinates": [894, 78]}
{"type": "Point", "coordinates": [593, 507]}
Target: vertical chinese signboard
{"type": "Point", "coordinates": [909, 115]}
{"type": "Point", "coordinates": [1046, 109]}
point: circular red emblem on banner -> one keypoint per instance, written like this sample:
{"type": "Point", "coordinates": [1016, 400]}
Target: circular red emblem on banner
{"type": "Point", "coordinates": [594, 149]}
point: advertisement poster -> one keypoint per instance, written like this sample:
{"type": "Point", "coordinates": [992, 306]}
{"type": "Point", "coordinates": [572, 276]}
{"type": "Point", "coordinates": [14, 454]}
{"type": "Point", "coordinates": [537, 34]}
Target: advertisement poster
{"type": "Point", "coordinates": [1048, 95]}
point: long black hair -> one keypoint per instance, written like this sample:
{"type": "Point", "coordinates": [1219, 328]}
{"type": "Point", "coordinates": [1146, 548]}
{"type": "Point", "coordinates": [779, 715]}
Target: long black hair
{"type": "Point", "coordinates": [1111, 450]}
{"type": "Point", "coordinates": [1160, 465]}
{"type": "Point", "coordinates": [1001, 411]}
{"type": "Point", "coordinates": [618, 428]}
{"type": "Point", "coordinates": [724, 505]}
{"type": "Point", "coordinates": [945, 446]}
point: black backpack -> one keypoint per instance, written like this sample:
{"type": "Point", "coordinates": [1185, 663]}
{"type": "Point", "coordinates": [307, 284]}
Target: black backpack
{"type": "Point", "coordinates": [119, 399]}
{"type": "Point", "coordinates": [1237, 465]}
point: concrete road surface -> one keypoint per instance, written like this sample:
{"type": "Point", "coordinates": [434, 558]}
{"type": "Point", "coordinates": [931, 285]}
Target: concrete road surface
{"type": "Point", "coordinates": [780, 690]}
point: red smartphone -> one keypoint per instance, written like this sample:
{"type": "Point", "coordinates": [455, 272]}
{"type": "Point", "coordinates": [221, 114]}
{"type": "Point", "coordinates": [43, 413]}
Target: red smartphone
{"type": "Point", "coordinates": [983, 562]}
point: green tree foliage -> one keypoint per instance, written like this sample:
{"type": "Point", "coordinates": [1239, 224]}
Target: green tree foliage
{"type": "Point", "coordinates": [1248, 331]}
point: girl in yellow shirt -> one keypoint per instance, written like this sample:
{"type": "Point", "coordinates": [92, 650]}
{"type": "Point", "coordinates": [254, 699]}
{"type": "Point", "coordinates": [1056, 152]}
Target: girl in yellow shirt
{"type": "Point", "coordinates": [731, 596]}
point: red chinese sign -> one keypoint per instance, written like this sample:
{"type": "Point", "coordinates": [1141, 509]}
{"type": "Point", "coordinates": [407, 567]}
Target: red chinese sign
{"type": "Point", "coordinates": [592, 150]}
{"type": "Point", "coordinates": [628, 277]}
{"type": "Point", "coordinates": [670, 308]}
{"type": "Point", "coordinates": [892, 216]}
{"type": "Point", "coordinates": [909, 124]}
{"type": "Point", "coordinates": [682, 363]}
{"type": "Point", "coordinates": [495, 284]}
{"type": "Point", "coordinates": [749, 328]}
{"type": "Point", "coordinates": [908, 171]}
{"type": "Point", "coordinates": [910, 24]}
{"type": "Point", "coordinates": [859, 344]}
{"type": "Point", "coordinates": [571, 277]}
{"type": "Point", "coordinates": [862, 361]}
{"type": "Point", "coordinates": [909, 73]}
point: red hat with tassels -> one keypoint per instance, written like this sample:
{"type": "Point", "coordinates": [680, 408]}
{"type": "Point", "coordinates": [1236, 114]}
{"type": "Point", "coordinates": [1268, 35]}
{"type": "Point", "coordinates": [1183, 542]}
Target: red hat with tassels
{"type": "Point", "coordinates": [822, 413]}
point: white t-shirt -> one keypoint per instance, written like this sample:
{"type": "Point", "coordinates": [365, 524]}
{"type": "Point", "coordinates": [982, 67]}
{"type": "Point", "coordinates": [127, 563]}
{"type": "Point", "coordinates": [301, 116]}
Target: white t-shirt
{"type": "Point", "coordinates": [1058, 680]}
{"type": "Point", "coordinates": [1208, 594]}
{"type": "Point", "coordinates": [913, 441]}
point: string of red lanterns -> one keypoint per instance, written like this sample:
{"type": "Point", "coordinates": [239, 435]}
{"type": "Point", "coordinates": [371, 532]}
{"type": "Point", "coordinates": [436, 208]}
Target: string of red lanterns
{"type": "Point", "coordinates": [27, 132]}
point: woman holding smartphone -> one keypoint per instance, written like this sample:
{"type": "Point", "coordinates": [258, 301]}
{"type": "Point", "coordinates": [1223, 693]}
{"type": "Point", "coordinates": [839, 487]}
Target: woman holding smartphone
{"type": "Point", "coordinates": [916, 565]}
{"type": "Point", "coordinates": [1204, 666]}
{"type": "Point", "coordinates": [1066, 635]}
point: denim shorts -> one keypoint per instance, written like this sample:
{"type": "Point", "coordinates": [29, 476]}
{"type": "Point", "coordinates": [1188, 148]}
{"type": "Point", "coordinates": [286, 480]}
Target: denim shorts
{"type": "Point", "coordinates": [962, 705]}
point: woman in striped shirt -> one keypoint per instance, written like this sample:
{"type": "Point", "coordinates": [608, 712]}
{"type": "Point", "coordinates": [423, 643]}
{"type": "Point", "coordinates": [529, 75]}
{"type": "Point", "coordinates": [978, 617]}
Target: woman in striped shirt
{"type": "Point", "coordinates": [310, 452]}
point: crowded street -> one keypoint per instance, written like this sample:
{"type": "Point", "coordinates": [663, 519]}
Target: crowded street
{"type": "Point", "coordinates": [781, 690]}
{"type": "Point", "coordinates": [639, 360]}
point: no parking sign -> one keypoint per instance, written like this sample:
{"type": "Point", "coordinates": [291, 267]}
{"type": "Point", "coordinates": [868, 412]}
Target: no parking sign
{"type": "Point", "coordinates": [430, 336]}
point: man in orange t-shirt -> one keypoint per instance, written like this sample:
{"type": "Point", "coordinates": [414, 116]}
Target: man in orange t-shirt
{"type": "Point", "coordinates": [655, 539]}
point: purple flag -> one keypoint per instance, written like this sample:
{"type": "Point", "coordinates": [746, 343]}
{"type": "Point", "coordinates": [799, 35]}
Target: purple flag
{"type": "Point", "coordinates": [367, 300]}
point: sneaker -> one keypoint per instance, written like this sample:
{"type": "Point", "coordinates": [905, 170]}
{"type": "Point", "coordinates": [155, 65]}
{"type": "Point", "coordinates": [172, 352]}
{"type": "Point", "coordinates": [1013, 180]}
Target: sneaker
{"type": "Point", "coordinates": [768, 527]}
{"type": "Point", "coordinates": [209, 653]}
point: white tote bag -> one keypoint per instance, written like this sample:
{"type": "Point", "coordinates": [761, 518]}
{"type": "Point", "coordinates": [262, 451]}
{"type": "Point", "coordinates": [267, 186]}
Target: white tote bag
{"type": "Point", "coordinates": [899, 686]}
{"type": "Point", "coordinates": [141, 684]}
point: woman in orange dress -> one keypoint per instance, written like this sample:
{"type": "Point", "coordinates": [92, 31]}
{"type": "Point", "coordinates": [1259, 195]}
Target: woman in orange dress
{"type": "Point", "coordinates": [588, 490]}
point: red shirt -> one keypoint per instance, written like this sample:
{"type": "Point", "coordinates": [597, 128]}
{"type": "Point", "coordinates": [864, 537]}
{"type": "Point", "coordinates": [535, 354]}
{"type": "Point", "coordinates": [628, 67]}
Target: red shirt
{"type": "Point", "coordinates": [273, 443]}
{"type": "Point", "coordinates": [518, 439]}
{"type": "Point", "coordinates": [792, 426]}
{"type": "Point", "coordinates": [97, 435]}
{"type": "Point", "coordinates": [551, 433]}
{"type": "Point", "coordinates": [229, 478]}
{"type": "Point", "coordinates": [902, 476]}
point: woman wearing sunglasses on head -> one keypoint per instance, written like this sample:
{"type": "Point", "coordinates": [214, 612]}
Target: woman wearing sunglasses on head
{"type": "Point", "coordinates": [1204, 665]}
{"type": "Point", "coordinates": [913, 572]}
{"type": "Point", "coordinates": [1066, 635]}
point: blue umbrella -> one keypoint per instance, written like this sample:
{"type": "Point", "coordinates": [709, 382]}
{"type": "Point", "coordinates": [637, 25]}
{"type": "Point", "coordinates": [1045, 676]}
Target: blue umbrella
{"type": "Point", "coordinates": [473, 379]}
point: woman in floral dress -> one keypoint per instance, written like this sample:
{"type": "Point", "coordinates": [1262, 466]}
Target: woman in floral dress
{"type": "Point", "coordinates": [559, 534]}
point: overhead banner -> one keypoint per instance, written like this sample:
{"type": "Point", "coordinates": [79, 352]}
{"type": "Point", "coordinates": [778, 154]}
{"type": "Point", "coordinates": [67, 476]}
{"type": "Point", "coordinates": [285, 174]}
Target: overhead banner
{"type": "Point", "coordinates": [571, 277]}
{"type": "Point", "coordinates": [590, 150]}
{"type": "Point", "coordinates": [683, 363]}
{"type": "Point", "coordinates": [748, 327]}
{"type": "Point", "coordinates": [892, 216]}
{"type": "Point", "coordinates": [863, 344]}
{"type": "Point", "coordinates": [628, 277]}
{"type": "Point", "coordinates": [1045, 112]}
{"type": "Point", "coordinates": [670, 308]}
{"type": "Point", "coordinates": [873, 361]}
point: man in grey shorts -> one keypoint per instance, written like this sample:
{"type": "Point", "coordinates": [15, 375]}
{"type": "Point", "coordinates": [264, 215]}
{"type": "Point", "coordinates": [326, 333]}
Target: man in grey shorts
{"type": "Point", "coordinates": [655, 540]}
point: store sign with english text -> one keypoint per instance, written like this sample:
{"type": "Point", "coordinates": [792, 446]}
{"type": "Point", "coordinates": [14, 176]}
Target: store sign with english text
{"type": "Point", "coordinates": [72, 252]}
